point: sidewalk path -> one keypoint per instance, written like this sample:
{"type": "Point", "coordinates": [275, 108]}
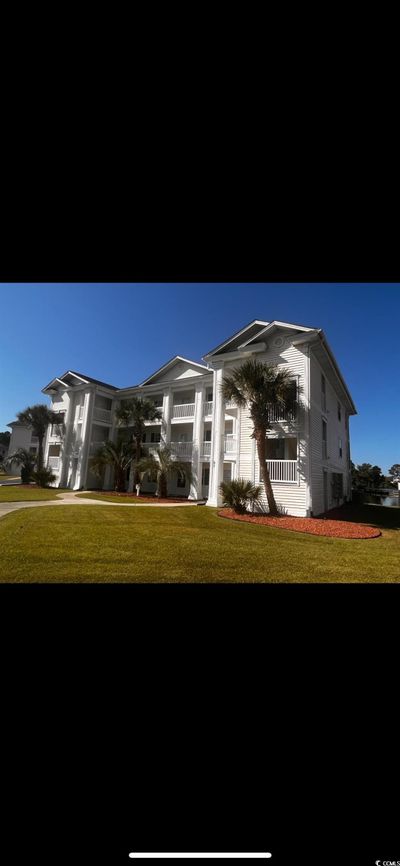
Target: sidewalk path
{"type": "Point", "coordinates": [72, 499]}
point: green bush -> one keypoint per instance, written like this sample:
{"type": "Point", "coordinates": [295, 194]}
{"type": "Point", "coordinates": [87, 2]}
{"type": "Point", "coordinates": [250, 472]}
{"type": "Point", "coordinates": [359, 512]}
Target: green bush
{"type": "Point", "coordinates": [43, 477]}
{"type": "Point", "coordinates": [238, 494]}
{"type": "Point", "coordinates": [26, 474]}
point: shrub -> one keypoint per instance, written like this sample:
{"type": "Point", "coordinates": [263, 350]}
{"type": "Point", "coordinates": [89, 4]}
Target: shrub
{"type": "Point", "coordinates": [43, 477]}
{"type": "Point", "coordinates": [238, 494]}
{"type": "Point", "coordinates": [26, 474]}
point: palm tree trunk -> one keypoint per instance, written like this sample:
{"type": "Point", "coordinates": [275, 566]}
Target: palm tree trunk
{"type": "Point", "coordinates": [260, 439]}
{"type": "Point", "coordinates": [162, 486]}
{"type": "Point", "coordinates": [120, 479]}
{"type": "Point", "coordinates": [40, 453]}
{"type": "Point", "coordinates": [136, 479]}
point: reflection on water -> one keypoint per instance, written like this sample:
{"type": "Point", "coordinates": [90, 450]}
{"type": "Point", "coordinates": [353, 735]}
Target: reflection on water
{"type": "Point", "coordinates": [391, 501]}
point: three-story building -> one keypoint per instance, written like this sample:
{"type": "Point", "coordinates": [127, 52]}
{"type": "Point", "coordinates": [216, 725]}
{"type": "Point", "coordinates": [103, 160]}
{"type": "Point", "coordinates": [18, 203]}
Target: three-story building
{"type": "Point", "coordinates": [308, 451]}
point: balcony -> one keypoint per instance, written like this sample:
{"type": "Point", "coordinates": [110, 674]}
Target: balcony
{"type": "Point", "coordinates": [183, 410]}
{"type": "Point", "coordinates": [103, 415]}
{"type": "Point", "coordinates": [208, 408]}
{"type": "Point", "coordinates": [281, 412]}
{"type": "Point", "coordinates": [282, 470]}
{"type": "Point", "coordinates": [206, 449]}
{"type": "Point", "coordinates": [229, 443]}
{"type": "Point", "coordinates": [149, 448]}
{"type": "Point", "coordinates": [183, 450]}
{"type": "Point", "coordinates": [54, 463]}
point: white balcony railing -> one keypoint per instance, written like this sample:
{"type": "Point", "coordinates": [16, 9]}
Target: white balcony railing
{"type": "Point", "coordinates": [54, 463]}
{"type": "Point", "coordinates": [102, 415]}
{"type": "Point", "coordinates": [183, 410]}
{"type": "Point", "coordinates": [150, 447]}
{"type": "Point", "coordinates": [183, 450]}
{"type": "Point", "coordinates": [281, 412]}
{"type": "Point", "coordinates": [206, 449]}
{"type": "Point", "coordinates": [282, 470]}
{"type": "Point", "coordinates": [208, 407]}
{"type": "Point", "coordinates": [229, 443]}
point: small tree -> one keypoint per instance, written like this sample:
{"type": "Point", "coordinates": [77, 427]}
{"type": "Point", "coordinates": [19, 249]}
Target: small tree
{"type": "Point", "coordinates": [39, 417]}
{"type": "Point", "coordinates": [394, 472]}
{"type": "Point", "coordinates": [161, 466]}
{"type": "Point", "coordinates": [25, 460]}
{"type": "Point", "coordinates": [118, 455]}
{"type": "Point", "coordinates": [261, 387]}
{"type": "Point", "coordinates": [134, 413]}
{"type": "Point", "coordinates": [239, 493]}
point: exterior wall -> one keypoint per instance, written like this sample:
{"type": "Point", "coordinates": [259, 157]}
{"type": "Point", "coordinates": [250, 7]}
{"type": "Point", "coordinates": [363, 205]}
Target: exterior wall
{"type": "Point", "coordinates": [335, 429]}
{"type": "Point", "coordinates": [90, 420]}
{"type": "Point", "coordinates": [291, 497]}
{"type": "Point", "coordinates": [21, 437]}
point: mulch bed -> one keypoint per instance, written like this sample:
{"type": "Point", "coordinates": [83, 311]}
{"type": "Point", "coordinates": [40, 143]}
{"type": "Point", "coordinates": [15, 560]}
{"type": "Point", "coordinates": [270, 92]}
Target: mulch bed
{"type": "Point", "coordinates": [141, 498]}
{"type": "Point", "coordinates": [312, 525]}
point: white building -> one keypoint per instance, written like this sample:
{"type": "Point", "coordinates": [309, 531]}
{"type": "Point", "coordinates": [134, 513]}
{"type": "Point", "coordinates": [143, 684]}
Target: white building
{"type": "Point", "coordinates": [308, 456]}
{"type": "Point", "coordinates": [21, 437]}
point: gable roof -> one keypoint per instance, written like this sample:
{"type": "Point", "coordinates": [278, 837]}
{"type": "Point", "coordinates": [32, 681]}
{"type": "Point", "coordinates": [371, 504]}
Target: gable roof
{"type": "Point", "coordinates": [176, 360]}
{"type": "Point", "coordinates": [248, 332]}
{"type": "Point", "coordinates": [82, 379]}
{"type": "Point", "coordinates": [275, 324]}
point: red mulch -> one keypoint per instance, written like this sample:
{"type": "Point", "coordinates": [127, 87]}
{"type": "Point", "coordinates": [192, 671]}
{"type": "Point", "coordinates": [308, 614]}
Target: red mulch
{"type": "Point", "coordinates": [312, 525]}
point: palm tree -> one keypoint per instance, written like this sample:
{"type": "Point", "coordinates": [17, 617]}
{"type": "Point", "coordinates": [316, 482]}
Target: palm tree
{"type": "Point", "coordinates": [134, 413]}
{"type": "Point", "coordinates": [162, 465]}
{"type": "Point", "coordinates": [118, 455]}
{"type": "Point", "coordinates": [261, 387]}
{"type": "Point", "coordinates": [25, 460]}
{"type": "Point", "coordinates": [39, 417]}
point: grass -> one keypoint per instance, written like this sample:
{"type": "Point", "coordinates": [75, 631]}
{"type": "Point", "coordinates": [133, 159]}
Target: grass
{"type": "Point", "coordinates": [87, 544]}
{"type": "Point", "coordinates": [18, 493]}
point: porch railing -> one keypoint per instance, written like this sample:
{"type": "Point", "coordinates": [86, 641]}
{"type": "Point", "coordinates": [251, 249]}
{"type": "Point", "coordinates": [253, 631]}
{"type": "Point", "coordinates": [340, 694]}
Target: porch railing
{"type": "Point", "coordinates": [208, 407]}
{"type": "Point", "coordinates": [281, 412]}
{"type": "Point", "coordinates": [102, 415]}
{"type": "Point", "coordinates": [229, 443]}
{"type": "Point", "coordinates": [54, 463]}
{"type": "Point", "coordinates": [282, 470]}
{"type": "Point", "coordinates": [182, 449]}
{"type": "Point", "coordinates": [206, 449]}
{"type": "Point", "coordinates": [183, 410]}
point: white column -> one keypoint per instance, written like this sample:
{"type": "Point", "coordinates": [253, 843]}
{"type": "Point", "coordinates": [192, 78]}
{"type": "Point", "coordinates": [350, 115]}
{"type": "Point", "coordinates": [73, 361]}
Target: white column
{"type": "Point", "coordinates": [107, 474]}
{"type": "Point", "coordinates": [195, 487]}
{"type": "Point", "coordinates": [217, 450]}
{"type": "Point", "coordinates": [86, 434]}
{"type": "Point", "coordinates": [167, 412]}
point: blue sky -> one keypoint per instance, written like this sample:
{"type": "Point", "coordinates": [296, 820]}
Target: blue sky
{"type": "Point", "coordinates": [121, 333]}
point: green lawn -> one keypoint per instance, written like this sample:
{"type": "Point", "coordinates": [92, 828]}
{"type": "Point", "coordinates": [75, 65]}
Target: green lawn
{"type": "Point", "coordinates": [89, 544]}
{"type": "Point", "coordinates": [27, 494]}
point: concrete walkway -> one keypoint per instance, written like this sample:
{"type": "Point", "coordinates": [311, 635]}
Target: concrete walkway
{"type": "Point", "coordinates": [73, 499]}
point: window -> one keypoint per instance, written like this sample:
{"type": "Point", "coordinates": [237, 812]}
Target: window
{"type": "Point", "coordinates": [57, 429]}
{"type": "Point", "coordinates": [323, 393]}
{"type": "Point", "coordinates": [324, 440]}
{"type": "Point", "coordinates": [337, 485]}
{"type": "Point", "coordinates": [340, 447]}
{"type": "Point", "coordinates": [339, 412]}
{"type": "Point", "coordinates": [181, 482]}
{"type": "Point", "coordinates": [209, 396]}
{"type": "Point", "coordinates": [207, 436]}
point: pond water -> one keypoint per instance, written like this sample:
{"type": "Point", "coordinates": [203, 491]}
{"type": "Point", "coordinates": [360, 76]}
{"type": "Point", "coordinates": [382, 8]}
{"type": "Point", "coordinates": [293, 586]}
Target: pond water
{"type": "Point", "coordinates": [391, 501]}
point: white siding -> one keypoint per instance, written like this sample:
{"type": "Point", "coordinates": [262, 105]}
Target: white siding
{"type": "Point", "coordinates": [335, 429]}
{"type": "Point", "coordinates": [292, 498]}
